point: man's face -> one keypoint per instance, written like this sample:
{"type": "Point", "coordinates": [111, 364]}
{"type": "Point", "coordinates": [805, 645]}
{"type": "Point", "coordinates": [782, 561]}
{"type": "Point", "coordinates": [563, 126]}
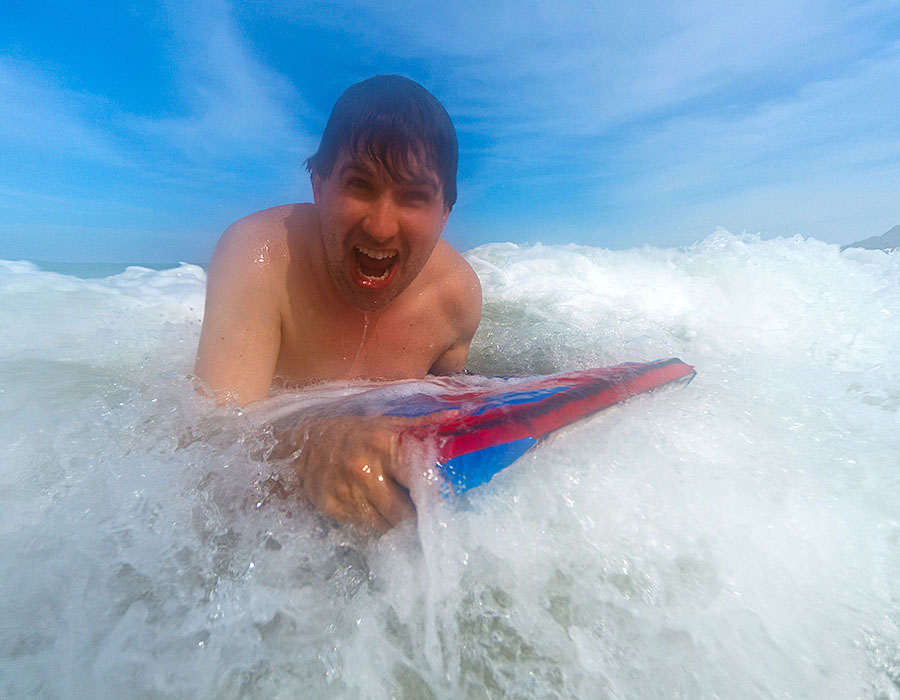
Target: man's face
{"type": "Point", "coordinates": [378, 232]}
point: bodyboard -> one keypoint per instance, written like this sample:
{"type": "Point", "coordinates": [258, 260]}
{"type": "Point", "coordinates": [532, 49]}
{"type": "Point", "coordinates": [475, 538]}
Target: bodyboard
{"type": "Point", "coordinates": [492, 427]}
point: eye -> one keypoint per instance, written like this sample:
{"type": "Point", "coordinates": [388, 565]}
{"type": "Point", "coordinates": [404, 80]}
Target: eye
{"type": "Point", "coordinates": [417, 196]}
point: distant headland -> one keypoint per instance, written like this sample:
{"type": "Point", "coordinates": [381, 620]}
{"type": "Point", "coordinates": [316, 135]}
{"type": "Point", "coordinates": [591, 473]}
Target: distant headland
{"type": "Point", "coordinates": [886, 241]}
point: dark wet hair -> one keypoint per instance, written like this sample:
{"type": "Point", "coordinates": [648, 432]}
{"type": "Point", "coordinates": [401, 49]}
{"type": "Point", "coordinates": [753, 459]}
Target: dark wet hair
{"type": "Point", "coordinates": [390, 119]}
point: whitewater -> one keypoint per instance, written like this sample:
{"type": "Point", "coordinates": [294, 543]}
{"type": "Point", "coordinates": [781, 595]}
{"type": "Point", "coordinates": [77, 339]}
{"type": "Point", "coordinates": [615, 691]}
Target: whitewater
{"type": "Point", "coordinates": [738, 537]}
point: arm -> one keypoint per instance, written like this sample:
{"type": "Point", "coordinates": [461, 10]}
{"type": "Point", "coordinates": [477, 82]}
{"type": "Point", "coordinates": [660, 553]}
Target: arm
{"type": "Point", "coordinates": [351, 468]}
{"type": "Point", "coordinates": [361, 468]}
{"type": "Point", "coordinates": [241, 333]}
{"type": "Point", "coordinates": [463, 306]}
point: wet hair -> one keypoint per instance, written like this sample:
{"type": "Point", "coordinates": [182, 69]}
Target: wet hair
{"type": "Point", "coordinates": [391, 120]}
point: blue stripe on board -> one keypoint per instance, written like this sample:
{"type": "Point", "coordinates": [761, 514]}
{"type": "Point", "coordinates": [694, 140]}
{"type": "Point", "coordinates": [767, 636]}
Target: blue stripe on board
{"type": "Point", "coordinates": [475, 468]}
{"type": "Point", "coordinates": [418, 405]}
{"type": "Point", "coordinates": [423, 404]}
{"type": "Point", "coordinates": [514, 398]}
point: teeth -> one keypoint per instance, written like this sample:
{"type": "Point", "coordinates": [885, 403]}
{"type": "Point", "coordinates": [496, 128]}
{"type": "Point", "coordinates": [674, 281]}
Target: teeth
{"type": "Point", "coordinates": [380, 277]}
{"type": "Point", "coordinates": [376, 254]}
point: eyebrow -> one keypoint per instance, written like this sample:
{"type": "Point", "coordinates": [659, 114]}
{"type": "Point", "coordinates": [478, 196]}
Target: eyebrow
{"type": "Point", "coordinates": [413, 179]}
{"type": "Point", "coordinates": [356, 166]}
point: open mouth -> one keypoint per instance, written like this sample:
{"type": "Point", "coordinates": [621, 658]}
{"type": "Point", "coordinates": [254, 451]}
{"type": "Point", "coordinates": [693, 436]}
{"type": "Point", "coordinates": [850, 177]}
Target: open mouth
{"type": "Point", "coordinates": [374, 268]}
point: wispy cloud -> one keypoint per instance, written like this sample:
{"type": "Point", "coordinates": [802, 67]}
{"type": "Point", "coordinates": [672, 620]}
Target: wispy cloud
{"type": "Point", "coordinates": [41, 115]}
{"type": "Point", "coordinates": [231, 106]}
{"type": "Point", "coordinates": [585, 116]}
{"type": "Point", "coordinates": [538, 83]}
{"type": "Point", "coordinates": [606, 60]}
{"type": "Point", "coordinates": [676, 107]}
{"type": "Point", "coordinates": [836, 132]}
{"type": "Point", "coordinates": [233, 103]}
{"type": "Point", "coordinates": [234, 128]}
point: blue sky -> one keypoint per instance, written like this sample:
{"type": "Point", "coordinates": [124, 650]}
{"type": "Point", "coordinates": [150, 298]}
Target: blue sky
{"type": "Point", "coordinates": [138, 131]}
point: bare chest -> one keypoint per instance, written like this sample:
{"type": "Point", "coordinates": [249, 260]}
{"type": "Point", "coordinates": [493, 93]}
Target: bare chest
{"type": "Point", "coordinates": [402, 344]}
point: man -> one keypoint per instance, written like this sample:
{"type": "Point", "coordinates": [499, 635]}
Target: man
{"type": "Point", "coordinates": [357, 285]}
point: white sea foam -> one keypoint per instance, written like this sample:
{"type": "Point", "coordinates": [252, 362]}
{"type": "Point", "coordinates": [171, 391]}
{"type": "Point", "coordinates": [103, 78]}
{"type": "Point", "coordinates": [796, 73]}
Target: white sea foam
{"type": "Point", "coordinates": [735, 538]}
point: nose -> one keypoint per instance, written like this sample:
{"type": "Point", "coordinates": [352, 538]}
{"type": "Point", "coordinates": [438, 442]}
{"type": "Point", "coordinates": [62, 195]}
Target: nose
{"type": "Point", "coordinates": [381, 220]}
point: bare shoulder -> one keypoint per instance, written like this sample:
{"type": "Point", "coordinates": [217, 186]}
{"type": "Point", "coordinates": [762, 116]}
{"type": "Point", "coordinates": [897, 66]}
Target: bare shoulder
{"type": "Point", "coordinates": [454, 288]}
{"type": "Point", "coordinates": [458, 286]}
{"type": "Point", "coordinates": [245, 302]}
{"type": "Point", "coordinates": [262, 239]}
{"type": "Point", "coordinates": [453, 273]}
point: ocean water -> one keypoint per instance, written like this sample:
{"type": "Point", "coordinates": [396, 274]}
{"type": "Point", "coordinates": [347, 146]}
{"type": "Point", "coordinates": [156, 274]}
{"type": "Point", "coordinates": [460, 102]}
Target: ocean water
{"type": "Point", "coordinates": [738, 537]}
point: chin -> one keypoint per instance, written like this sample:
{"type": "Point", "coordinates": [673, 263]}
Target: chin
{"type": "Point", "coordinates": [368, 300]}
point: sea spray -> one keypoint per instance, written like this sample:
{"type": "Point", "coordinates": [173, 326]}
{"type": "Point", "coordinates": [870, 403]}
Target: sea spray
{"type": "Point", "coordinates": [736, 538]}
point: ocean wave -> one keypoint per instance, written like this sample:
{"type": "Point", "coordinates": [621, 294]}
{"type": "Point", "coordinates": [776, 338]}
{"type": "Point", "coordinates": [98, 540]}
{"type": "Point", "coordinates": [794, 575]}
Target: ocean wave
{"type": "Point", "coordinates": [736, 538]}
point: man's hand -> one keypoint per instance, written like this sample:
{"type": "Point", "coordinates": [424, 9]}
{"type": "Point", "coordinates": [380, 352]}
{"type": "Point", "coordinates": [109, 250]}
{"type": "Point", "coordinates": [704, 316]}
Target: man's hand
{"type": "Point", "coordinates": [359, 469]}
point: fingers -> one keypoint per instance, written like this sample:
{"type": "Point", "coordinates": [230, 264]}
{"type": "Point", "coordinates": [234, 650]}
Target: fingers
{"type": "Point", "coordinates": [379, 507]}
{"type": "Point", "coordinates": [368, 515]}
{"type": "Point", "coordinates": [383, 501]}
{"type": "Point", "coordinates": [354, 473]}
{"type": "Point", "coordinates": [392, 502]}
{"type": "Point", "coordinates": [351, 505]}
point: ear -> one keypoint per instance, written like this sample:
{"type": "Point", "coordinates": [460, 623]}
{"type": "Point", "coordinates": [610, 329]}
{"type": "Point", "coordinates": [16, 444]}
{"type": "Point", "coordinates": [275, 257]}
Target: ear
{"type": "Point", "coordinates": [446, 215]}
{"type": "Point", "coordinates": [316, 185]}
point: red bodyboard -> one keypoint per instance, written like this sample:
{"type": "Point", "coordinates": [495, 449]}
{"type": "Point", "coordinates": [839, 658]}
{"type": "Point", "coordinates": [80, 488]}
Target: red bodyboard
{"type": "Point", "coordinates": [493, 426]}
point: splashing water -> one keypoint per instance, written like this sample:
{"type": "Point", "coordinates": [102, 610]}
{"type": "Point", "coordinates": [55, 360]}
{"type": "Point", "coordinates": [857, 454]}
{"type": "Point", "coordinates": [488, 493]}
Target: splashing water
{"type": "Point", "coordinates": [735, 538]}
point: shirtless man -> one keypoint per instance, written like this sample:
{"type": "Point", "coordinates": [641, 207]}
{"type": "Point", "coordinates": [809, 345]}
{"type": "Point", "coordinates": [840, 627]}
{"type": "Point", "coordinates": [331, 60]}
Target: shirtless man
{"type": "Point", "coordinates": [357, 285]}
